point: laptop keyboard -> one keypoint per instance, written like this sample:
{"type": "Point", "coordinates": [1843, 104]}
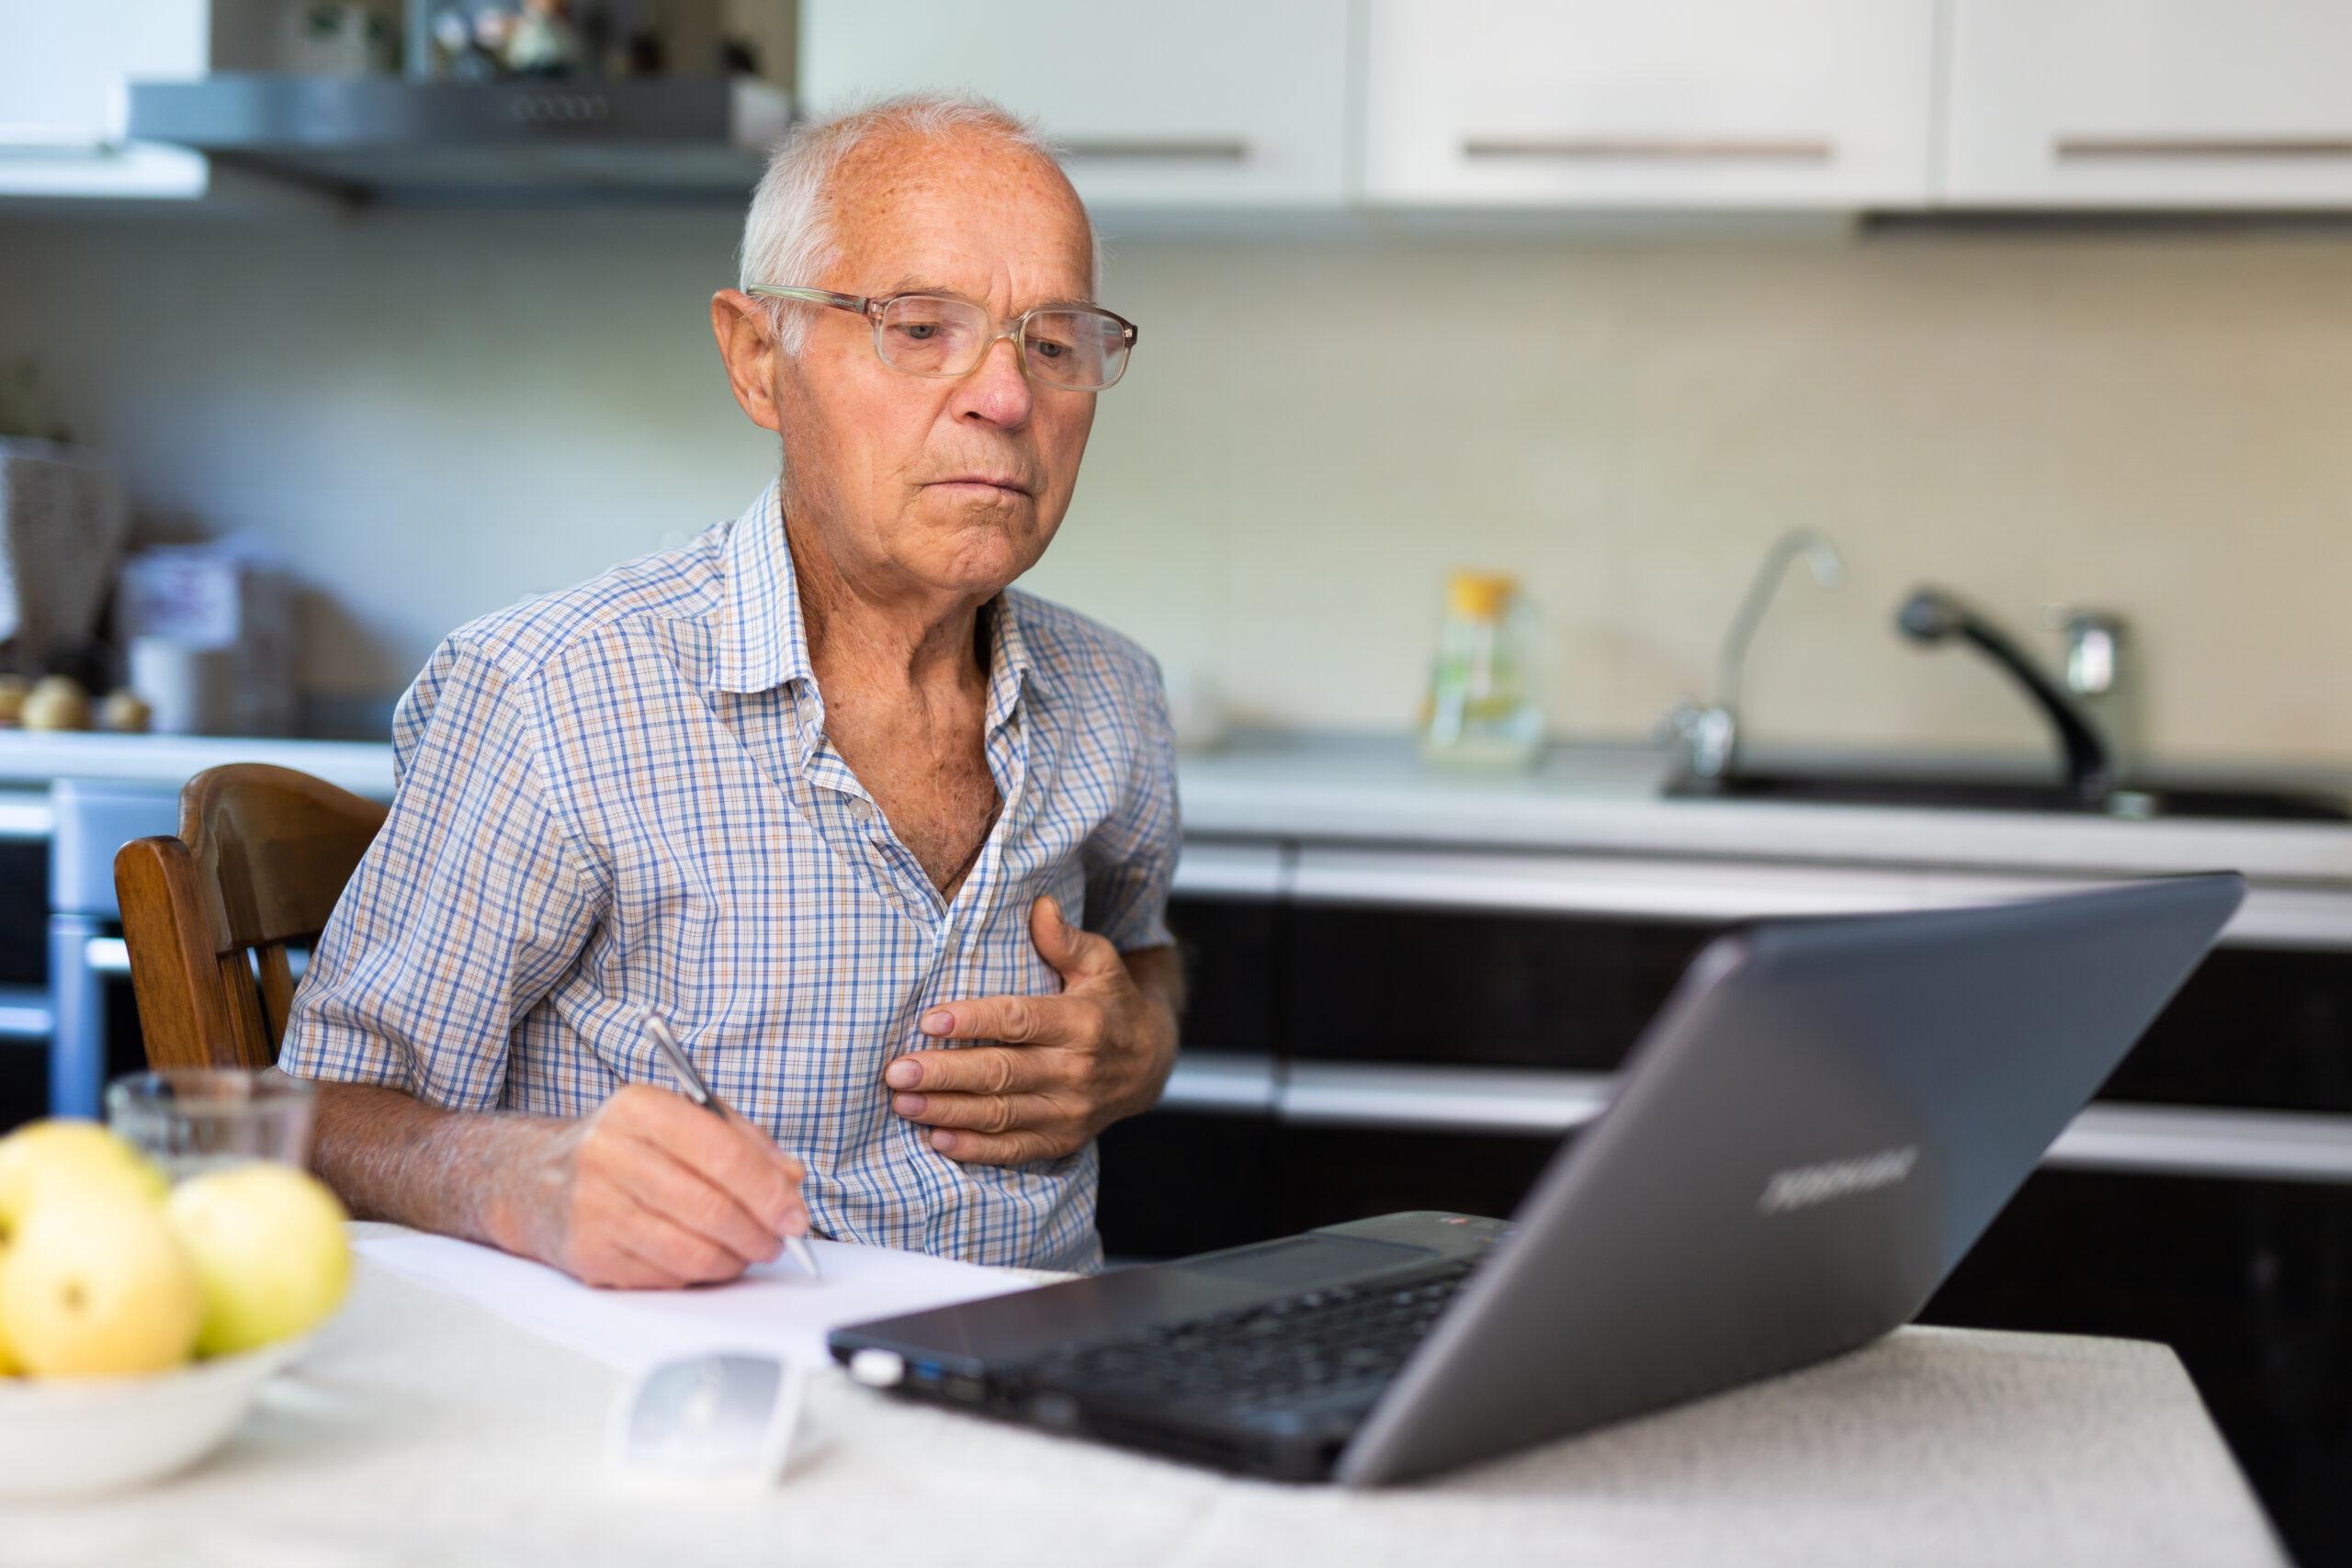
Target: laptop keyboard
{"type": "Point", "coordinates": [1301, 1350]}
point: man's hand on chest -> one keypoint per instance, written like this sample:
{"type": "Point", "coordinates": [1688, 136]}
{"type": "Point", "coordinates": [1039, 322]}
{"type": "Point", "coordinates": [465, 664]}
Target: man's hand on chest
{"type": "Point", "coordinates": [1067, 1067]}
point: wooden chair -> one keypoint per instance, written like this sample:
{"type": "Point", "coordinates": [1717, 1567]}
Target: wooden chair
{"type": "Point", "coordinates": [263, 854]}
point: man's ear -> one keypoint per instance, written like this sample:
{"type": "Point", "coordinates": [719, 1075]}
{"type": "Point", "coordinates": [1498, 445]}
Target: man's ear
{"type": "Point", "coordinates": [747, 344]}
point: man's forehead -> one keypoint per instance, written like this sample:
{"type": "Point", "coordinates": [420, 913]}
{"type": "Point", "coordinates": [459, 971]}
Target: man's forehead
{"type": "Point", "coordinates": [962, 218]}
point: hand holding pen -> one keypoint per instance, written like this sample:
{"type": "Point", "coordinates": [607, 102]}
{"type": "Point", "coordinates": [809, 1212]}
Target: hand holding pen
{"type": "Point", "coordinates": [648, 1192]}
{"type": "Point", "coordinates": [691, 1085]}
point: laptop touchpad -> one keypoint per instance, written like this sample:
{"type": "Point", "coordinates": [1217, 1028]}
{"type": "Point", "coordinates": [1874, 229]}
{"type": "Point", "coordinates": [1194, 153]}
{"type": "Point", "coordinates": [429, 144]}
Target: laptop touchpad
{"type": "Point", "coordinates": [1303, 1262]}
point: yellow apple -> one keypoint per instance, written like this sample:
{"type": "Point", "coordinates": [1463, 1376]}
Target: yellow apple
{"type": "Point", "coordinates": [97, 1286]}
{"type": "Point", "coordinates": [71, 1159]}
{"type": "Point", "coordinates": [9, 1367]}
{"type": "Point", "coordinates": [267, 1242]}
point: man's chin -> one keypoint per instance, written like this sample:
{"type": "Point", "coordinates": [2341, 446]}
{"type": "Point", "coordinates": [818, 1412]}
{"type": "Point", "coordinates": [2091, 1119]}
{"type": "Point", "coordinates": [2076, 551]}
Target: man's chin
{"type": "Point", "coordinates": [981, 544]}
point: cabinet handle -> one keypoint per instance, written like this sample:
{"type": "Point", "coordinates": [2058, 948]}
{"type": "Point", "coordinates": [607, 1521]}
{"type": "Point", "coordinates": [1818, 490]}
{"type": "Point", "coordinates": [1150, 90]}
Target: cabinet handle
{"type": "Point", "coordinates": [38, 141]}
{"type": "Point", "coordinates": [1471, 1100]}
{"type": "Point", "coordinates": [1174, 149]}
{"type": "Point", "coordinates": [25, 814]}
{"type": "Point", "coordinates": [2090, 149]}
{"type": "Point", "coordinates": [1479, 882]}
{"type": "Point", "coordinates": [1662, 148]}
{"type": "Point", "coordinates": [23, 1014]}
{"type": "Point", "coordinates": [2118, 1138]}
{"type": "Point", "coordinates": [1229, 1081]}
{"type": "Point", "coordinates": [2253, 1145]}
{"type": "Point", "coordinates": [1208, 869]}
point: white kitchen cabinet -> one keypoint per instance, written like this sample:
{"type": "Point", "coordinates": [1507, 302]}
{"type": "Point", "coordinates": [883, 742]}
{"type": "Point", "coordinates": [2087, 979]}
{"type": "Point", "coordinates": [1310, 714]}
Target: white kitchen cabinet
{"type": "Point", "coordinates": [61, 66]}
{"type": "Point", "coordinates": [2149, 104]}
{"type": "Point", "coordinates": [1674, 104]}
{"type": "Point", "coordinates": [1207, 104]}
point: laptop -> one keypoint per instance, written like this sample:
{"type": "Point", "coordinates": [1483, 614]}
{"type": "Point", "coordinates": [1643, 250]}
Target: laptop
{"type": "Point", "coordinates": [1821, 1121]}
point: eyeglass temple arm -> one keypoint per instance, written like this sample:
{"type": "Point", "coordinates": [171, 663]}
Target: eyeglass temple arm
{"type": "Point", "coordinates": [857, 303]}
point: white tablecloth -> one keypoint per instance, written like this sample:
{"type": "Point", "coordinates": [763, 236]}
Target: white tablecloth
{"type": "Point", "coordinates": [422, 1430]}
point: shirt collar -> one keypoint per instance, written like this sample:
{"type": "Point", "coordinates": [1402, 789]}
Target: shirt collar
{"type": "Point", "coordinates": [1008, 659]}
{"type": "Point", "coordinates": [763, 642]}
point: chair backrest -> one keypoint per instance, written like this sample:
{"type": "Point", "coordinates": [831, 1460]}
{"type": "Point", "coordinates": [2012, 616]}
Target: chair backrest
{"type": "Point", "coordinates": [263, 854]}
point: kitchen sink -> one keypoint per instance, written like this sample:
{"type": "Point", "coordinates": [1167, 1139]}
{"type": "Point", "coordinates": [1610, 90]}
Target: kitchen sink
{"type": "Point", "coordinates": [2154, 799]}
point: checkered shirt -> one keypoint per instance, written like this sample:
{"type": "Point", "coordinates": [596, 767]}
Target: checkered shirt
{"type": "Point", "coordinates": [621, 797]}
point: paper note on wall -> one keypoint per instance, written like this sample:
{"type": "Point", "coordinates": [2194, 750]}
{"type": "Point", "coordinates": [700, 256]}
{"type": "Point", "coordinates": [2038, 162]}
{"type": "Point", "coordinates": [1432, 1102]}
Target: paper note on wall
{"type": "Point", "coordinates": [774, 1308]}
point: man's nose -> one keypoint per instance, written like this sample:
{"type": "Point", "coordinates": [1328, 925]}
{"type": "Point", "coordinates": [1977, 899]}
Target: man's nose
{"type": "Point", "coordinates": [996, 390]}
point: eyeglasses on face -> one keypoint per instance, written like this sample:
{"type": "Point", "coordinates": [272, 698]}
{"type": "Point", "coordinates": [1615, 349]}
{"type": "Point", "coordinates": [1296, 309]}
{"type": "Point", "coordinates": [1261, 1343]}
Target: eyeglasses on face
{"type": "Point", "coordinates": [1076, 347]}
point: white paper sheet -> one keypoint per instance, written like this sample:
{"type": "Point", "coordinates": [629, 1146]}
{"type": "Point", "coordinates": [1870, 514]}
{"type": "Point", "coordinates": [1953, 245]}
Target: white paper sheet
{"type": "Point", "coordinates": [774, 1308]}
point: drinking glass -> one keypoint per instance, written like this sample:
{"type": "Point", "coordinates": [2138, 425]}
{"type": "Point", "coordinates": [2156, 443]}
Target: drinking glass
{"type": "Point", "coordinates": [192, 1119]}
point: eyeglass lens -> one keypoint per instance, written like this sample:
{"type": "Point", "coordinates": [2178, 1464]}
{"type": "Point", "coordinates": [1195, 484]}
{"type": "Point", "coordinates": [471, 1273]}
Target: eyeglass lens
{"type": "Point", "coordinates": [932, 335]}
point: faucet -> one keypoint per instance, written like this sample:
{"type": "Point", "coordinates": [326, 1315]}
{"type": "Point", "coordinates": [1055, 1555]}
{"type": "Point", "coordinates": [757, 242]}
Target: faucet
{"type": "Point", "coordinates": [1932, 615]}
{"type": "Point", "coordinates": [2101, 671]}
{"type": "Point", "coordinates": [1713, 732]}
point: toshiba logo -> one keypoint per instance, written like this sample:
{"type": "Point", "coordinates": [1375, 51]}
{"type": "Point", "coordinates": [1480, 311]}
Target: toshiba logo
{"type": "Point", "coordinates": [1806, 1185]}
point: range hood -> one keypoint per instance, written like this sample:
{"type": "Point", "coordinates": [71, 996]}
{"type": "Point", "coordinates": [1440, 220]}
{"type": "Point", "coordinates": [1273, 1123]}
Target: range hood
{"type": "Point", "coordinates": [392, 138]}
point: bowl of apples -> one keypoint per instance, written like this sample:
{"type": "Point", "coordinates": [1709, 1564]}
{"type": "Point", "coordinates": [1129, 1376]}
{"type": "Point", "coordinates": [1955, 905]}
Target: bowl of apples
{"type": "Point", "coordinates": [139, 1316]}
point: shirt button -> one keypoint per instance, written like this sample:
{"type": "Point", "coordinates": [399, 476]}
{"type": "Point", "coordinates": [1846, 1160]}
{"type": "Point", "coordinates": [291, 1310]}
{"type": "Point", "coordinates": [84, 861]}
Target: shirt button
{"type": "Point", "coordinates": [861, 809]}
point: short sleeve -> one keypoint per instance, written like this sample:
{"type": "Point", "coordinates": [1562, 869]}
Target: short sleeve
{"type": "Point", "coordinates": [471, 903]}
{"type": "Point", "coordinates": [1131, 858]}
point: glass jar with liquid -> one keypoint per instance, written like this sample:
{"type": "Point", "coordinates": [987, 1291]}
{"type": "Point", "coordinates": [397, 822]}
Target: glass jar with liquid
{"type": "Point", "coordinates": [1481, 709]}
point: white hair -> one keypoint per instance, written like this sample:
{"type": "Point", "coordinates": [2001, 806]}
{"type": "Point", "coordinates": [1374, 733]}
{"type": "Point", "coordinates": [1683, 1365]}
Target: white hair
{"type": "Point", "coordinates": [788, 232]}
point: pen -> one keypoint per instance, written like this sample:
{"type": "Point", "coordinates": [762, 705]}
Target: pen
{"type": "Point", "coordinates": [691, 1085]}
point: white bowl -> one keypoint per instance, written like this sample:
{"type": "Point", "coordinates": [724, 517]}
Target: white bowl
{"type": "Point", "coordinates": [71, 1436]}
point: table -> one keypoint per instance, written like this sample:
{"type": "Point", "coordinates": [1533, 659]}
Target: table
{"type": "Point", "coordinates": [420, 1429]}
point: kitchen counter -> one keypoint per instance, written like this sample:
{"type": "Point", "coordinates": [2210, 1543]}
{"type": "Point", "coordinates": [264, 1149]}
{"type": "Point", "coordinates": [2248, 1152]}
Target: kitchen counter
{"type": "Point", "coordinates": [1584, 799]}
{"type": "Point", "coordinates": [29, 760]}
{"type": "Point", "coordinates": [1607, 799]}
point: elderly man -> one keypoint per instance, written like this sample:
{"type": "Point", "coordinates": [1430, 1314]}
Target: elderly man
{"type": "Point", "coordinates": [886, 842]}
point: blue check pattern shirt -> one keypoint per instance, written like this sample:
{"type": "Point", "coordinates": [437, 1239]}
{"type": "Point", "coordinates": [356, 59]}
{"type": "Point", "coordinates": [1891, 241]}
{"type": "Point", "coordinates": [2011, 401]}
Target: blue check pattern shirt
{"type": "Point", "coordinates": [621, 797]}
